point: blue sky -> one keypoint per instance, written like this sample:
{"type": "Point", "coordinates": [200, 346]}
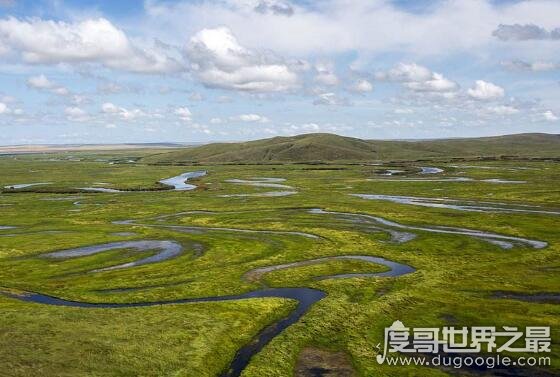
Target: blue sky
{"type": "Point", "coordinates": [197, 71]}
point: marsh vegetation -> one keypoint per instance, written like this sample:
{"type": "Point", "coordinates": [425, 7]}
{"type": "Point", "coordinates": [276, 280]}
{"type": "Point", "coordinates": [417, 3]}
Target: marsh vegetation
{"type": "Point", "coordinates": [224, 276]}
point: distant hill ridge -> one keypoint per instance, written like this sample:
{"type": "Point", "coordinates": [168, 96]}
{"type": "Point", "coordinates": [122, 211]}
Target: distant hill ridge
{"type": "Point", "coordinates": [321, 147]}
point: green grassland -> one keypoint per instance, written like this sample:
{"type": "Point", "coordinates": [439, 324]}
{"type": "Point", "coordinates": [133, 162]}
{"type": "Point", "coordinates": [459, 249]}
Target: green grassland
{"type": "Point", "coordinates": [453, 284]}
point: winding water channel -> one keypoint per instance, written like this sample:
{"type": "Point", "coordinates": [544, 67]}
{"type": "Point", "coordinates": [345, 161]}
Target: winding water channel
{"type": "Point", "coordinates": [25, 185]}
{"type": "Point", "coordinates": [304, 296]}
{"type": "Point", "coordinates": [379, 223]}
{"type": "Point", "coordinates": [261, 182]}
{"type": "Point", "coordinates": [167, 249]}
{"type": "Point", "coordinates": [460, 205]}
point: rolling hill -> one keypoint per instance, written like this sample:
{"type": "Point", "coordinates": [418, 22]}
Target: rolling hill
{"type": "Point", "coordinates": [334, 148]}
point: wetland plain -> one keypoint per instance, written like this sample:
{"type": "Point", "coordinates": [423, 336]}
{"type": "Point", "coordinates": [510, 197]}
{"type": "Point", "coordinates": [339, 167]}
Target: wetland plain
{"type": "Point", "coordinates": [207, 274]}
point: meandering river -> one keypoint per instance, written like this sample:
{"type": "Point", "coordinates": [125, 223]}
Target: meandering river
{"type": "Point", "coordinates": [304, 296]}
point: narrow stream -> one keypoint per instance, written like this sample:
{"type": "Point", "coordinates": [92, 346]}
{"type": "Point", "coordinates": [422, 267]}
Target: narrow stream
{"type": "Point", "coordinates": [430, 170]}
{"type": "Point", "coordinates": [505, 242]}
{"type": "Point", "coordinates": [447, 179]}
{"type": "Point", "coordinates": [268, 194]}
{"type": "Point", "coordinates": [305, 297]}
{"type": "Point", "coordinates": [24, 185]}
{"type": "Point", "coordinates": [460, 205]}
{"type": "Point", "coordinates": [167, 249]}
{"type": "Point", "coordinates": [261, 182]}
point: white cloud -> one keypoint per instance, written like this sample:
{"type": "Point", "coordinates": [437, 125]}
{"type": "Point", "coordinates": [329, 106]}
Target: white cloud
{"type": "Point", "coordinates": [418, 78]}
{"type": "Point", "coordinates": [310, 127]}
{"type": "Point", "coordinates": [406, 72]}
{"type": "Point", "coordinates": [79, 99]}
{"type": "Point", "coordinates": [337, 26]}
{"type": "Point", "coordinates": [403, 111]}
{"type": "Point", "coordinates": [218, 60]}
{"type": "Point", "coordinates": [330, 99]}
{"type": "Point", "coordinates": [325, 74]}
{"type": "Point", "coordinates": [362, 86]}
{"type": "Point", "coordinates": [484, 90]}
{"type": "Point", "coordinates": [436, 83]}
{"type": "Point", "coordinates": [503, 110]}
{"type": "Point", "coordinates": [109, 108]}
{"type": "Point", "coordinates": [216, 120]}
{"type": "Point", "coordinates": [40, 41]}
{"type": "Point", "coordinates": [183, 113]}
{"type": "Point", "coordinates": [41, 82]}
{"type": "Point", "coordinates": [254, 118]}
{"type": "Point", "coordinates": [3, 108]}
{"type": "Point", "coordinates": [550, 116]}
{"type": "Point", "coordinates": [131, 114]}
{"type": "Point", "coordinates": [76, 114]}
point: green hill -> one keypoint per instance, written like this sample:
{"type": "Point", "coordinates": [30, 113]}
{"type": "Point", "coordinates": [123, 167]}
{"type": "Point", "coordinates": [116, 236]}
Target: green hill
{"type": "Point", "coordinates": [334, 148]}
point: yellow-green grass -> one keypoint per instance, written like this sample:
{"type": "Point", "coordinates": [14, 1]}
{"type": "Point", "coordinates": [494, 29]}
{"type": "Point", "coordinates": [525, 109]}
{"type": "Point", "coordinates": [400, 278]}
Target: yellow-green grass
{"type": "Point", "coordinates": [455, 275]}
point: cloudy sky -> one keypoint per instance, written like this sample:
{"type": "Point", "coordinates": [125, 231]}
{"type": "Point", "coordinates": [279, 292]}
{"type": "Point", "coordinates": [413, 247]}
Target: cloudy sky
{"type": "Point", "coordinates": [193, 71]}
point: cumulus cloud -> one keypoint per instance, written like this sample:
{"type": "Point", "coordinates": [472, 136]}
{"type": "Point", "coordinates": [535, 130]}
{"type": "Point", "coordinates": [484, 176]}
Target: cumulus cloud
{"type": "Point", "coordinates": [527, 32]}
{"type": "Point", "coordinates": [41, 82]}
{"type": "Point", "coordinates": [436, 83]}
{"type": "Point", "coordinates": [362, 86]}
{"type": "Point", "coordinates": [330, 99]}
{"type": "Point", "coordinates": [325, 74]}
{"type": "Point", "coordinates": [109, 108]}
{"type": "Point", "coordinates": [183, 113]}
{"type": "Point", "coordinates": [4, 108]}
{"type": "Point", "coordinates": [252, 118]}
{"type": "Point", "coordinates": [76, 114]}
{"type": "Point", "coordinates": [125, 114]}
{"type": "Point", "coordinates": [550, 116]}
{"type": "Point", "coordinates": [406, 72]}
{"type": "Point", "coordinates": [218, 60]}
{"type": "Point", "coordinates": [40, 41]}
{"type": "Point", "coordinates": [485, 91]}
{"type": "Point", "coordinates": [418, 78]}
